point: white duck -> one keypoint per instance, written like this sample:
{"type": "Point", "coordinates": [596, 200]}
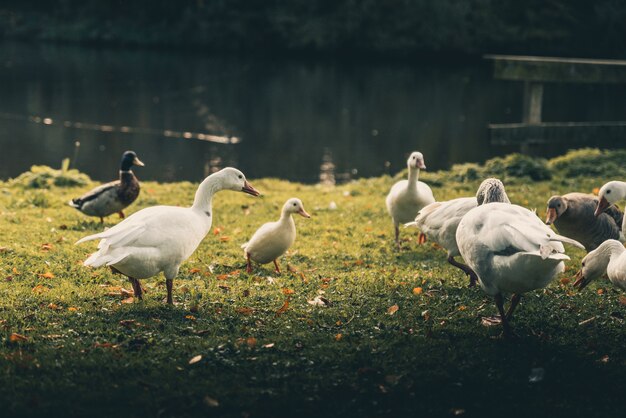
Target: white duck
{"type": "Point", "coordinates": [440, 220]}
{"type": "Point", "coordinates": [511, 250]}
{"type": "Point", "coordinates": [272, 239]}
{"type": "Point", "coordinates": [611, 193]}
{"type": "Point", "coordinates": [159, 238]}
{"type": "Point", "coordinates": [407, 197]}
{"type": "Point", "coordinates": [610, 259]}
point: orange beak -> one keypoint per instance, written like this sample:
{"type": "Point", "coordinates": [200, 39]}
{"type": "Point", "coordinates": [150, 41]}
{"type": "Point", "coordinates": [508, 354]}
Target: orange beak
{"type": "Point", "coordinates": [302, 212]}
{"type": "Point", "coordinates": [602, 205]}
{"type": "Point", "coordinates": [247, 188]}
{"type": "Point", "coordinates": [581, 281]}
{"type": "Point", "coordinates": [551, 216]}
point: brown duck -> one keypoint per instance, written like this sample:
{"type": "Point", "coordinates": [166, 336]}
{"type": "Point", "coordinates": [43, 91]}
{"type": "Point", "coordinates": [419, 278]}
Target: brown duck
{"type": "Point", "coordinates": [112, 197]}
{"type": "Point", "coordinates": [573, 216]}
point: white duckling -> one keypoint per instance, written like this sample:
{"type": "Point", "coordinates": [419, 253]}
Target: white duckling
{"type": "Point", "coordinates": [440, 220]}
{"type": "Point", "coordinates": [511, 250]}
{"type": "Point", "coordinates": [610, 259]}
{"type": "Point", "coordinates": [407, 197]}
{"type": "Point", "coordinates": [272, 239]}
{"type": "Point", "coordinates": [611, 193]}
{"type": "Point", "coordinates": [159, 238]}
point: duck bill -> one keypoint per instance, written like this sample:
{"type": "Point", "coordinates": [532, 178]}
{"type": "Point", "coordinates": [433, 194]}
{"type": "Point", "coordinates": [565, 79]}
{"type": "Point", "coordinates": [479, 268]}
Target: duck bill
{"type": "Point", "coordinates": [302, 212]}
{"type": "Point", "coordinates": [247, 188]}
{"type": "Point", "coordinates": [551, 216]}
{"type": "Point", "coordinates": [138, 162]}
{"type": "Point", "coordinates": [421, 165]}
{"type": "Point", "coordinates": [581, 281]}
{"type": "Point", "coordinates": [602, 205]}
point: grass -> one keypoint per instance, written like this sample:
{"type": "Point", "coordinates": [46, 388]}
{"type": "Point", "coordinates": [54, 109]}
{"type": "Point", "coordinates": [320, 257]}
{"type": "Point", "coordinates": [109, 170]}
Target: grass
{"type": "Point", "coordinates": [265, 350]}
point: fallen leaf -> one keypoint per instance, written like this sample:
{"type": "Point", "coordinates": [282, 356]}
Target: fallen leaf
{"type": "Point", "coordinates": [251, 341]}
{"type": "Point", "coordinates": [288, 291]}
{"type": "Point", "coordinates": [462, 308]}
{"type": "Point", "coordinates": [622, 299]}
{"type": "Point", "coordinates": [53, 306]}
{"type": "Point", "coordinates": [46, 247]}
{"type": "Point", "coordinates": [319, 301]}
{"type": "Point", "coordinates": [105, 345]}
{"type": "Point", "coordinates": [128, 323]}
{"type": "Point", "coordinates": [338, 337]}
{"type": "Point", "coordinates": [392, 310]}
{"type": "Point", "coordinates": [217, 230]}
{"type": "Point", "coordinates": [417, 290]}
{"type": "Point", "coordinates": [194, 270]}
{"type": "Point", "coordinates": [600, 291]}
{"type": "Point", "coordinates": [490, 321]}
{"type": "Point", "coordinates": [47, 275]}
{"type": "Point", "coordinates": [17, 338]}
{"type": "Point", "coordinates": [128, 300]}
{"type": "Point", "coordinates": [244, 310]}
{"type": "Point", "coordinates": [195, 359]}
{"type": "Point", "coordinates": [190, 317]}
{"type": "Point", "coordinates": [72, 309]}
{"type": "Point", "coordinates": [222, 276]}
{"type": "Point", "coordinates": [604, 359]}
{"type": "Point", "coordinates": [224, 238]}
{"type": "Point", "coordinates": [564, 280]}
{"type": "Point", "coordinates": [40, 289]}
{"type": "Point", "coordinates": [213, 403]}
{"type": "Point", "coordinates": [283, 308]}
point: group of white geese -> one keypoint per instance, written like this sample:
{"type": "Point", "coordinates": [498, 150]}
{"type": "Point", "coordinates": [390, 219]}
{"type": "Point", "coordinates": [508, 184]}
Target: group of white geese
{"type": "Point", "coordinates": [507, 248]}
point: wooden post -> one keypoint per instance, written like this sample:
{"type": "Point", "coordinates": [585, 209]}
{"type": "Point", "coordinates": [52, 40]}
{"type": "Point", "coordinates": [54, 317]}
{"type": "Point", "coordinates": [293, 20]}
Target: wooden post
{"type": "Point", "coordinates": [533, 98]}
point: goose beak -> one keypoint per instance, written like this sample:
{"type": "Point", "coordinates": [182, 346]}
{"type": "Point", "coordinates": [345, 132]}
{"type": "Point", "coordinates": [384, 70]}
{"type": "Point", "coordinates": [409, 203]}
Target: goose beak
{"type": "Point", "coordinates": [138, 162]}
{"type": "Point", "coordinates": [581, 281]}
{"type": "Point", "coordinates": [602, 205]}
{"type": "Point", "coordinates": [302, 212]}
{"type": "Point", "coordinates": [551, 216]}
{"type": "Point", "coordinates": [247, 188]}
{"type": "Point", "coordinates": [421, 165]}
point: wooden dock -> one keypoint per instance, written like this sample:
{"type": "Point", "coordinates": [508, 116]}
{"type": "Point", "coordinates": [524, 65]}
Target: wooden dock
{"type": "Point", "coordinates": [534, 72]}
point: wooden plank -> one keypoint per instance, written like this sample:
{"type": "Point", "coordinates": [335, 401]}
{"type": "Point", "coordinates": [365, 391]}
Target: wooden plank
{"type": "Point", "coordinates": [548, 132]}
{"type": "Point", "coordinates": [559, 70]}
{"type": "Point", "coordinates": [533, 97]}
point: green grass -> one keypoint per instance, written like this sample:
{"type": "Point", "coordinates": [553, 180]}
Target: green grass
{"type": "Point", "coordinates": [89, 354]}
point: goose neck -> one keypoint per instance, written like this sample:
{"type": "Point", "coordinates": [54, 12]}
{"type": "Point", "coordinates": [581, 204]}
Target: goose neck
{"type": "Point", "coordinates": [203, 200]}
{"type": "Point", "coordinates": [414, 174]}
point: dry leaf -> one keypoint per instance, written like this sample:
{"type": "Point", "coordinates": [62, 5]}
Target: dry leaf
{"type": "Point", "coordinates": [338, 337]}
{"type": "Point", "coordinates": [417, 290]}
{"type": "Point", "coordinates": [213, 403]}
{"type": "Point", "coordinates": [46, 247]}
{"type": "Point", "coordinates": [194, 270]}
{"type": "Point", "coordinates": [224, 238]}
{"type": "Point", "coordinates": [128, 300]}
{"type": "Point", "coordinates": [190, 317]}
{"type": "Point", "coordinates": [217, 230]}
{"type": "Point", "coordinates": [319, 301]}
{"type": "Point", "coordinates": [195, 359]}
{"type": "Point", "coordinates": [105, 345]}
{"type": "Point", "coordinates": [283, 308]}
{"type": "Point", "coordinates": [490, 321]}
{"type": "Point", "coordinates": [288, 291]}
{"type": "Point", "coordinates": [565, 280]}
{"type": "Point", "coordinates": [40, 289]}
{"type": "Point", "coordinates": [54, 306]}
{"type": "Point", "coordinates": [47, 275]}
{"type": "Point", "coordinates": [462, 308]}
{"type": "Point", "coordinates": [72, 309]}
{"type": "Point", "coordinates": [393, 309]}
{"type": "Point", "coordinates": [17, 338]}
{"type": "Point", "coordinates": [622, 299]}
{"type": "Point", "coordinates": [600, 291]}
{"type": "Point", "coordinates": [244, 311]}
{"type": "Point", "coordinates": [251, 341]}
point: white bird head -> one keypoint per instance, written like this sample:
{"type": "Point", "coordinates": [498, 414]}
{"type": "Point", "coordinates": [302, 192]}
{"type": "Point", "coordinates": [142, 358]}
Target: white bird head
{"type": "Point", "coordinates": [233, 179]}
{"type": "Point", "coordinates": [416, 160]}
{"type": "Point", "coordinates": [294, 205]}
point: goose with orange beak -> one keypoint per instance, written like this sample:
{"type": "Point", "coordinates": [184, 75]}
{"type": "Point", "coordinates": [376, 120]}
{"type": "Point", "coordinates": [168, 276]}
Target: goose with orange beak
{"type": "Point", "coordinates": [611, 193]}
{"type": "Point", "coordinates": [610, 259]}
{"type": "Point", "coordinates": [573, 216]}
{"type": "Point", "coordinates": [273, 239]}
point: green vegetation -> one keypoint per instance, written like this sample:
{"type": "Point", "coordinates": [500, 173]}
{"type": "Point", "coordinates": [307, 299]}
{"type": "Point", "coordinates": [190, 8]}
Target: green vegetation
{"type": "Point", "coordinates": [399, 27]}
{"type": "Point", "coordinates": [401, 333]}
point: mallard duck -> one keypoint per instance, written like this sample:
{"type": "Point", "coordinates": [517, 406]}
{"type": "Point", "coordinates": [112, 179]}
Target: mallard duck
{"type": "Point", "coordinates": [611, 193]}
{"type": "Point", "coordinates": [511, 250]}
{"type": "Point", "coordinates": [573, 216]}
{"type": "Point", "coordinates": [440, 220]}
{"type": "Point", "coordinates": [112, 197]}
{"type": "Point", "coordinates": [610, 259]}
{"type": "Point", "coordinates": [159, 238]}
{"type": "Point", "coordinates": [272, 239]}
{"type": "Point", "coordinates": [407, 197]}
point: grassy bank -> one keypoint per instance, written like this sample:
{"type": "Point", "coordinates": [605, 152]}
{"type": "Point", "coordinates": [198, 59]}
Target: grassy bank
{"type": "Point", "coordinates": [401, 334]}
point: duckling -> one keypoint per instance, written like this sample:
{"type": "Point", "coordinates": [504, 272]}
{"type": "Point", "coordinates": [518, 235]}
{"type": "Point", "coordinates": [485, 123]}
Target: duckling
{"type": "Point", "coordinates": [407, 197]}
{"type": "Point", "coordinates": [112, 197]}
{"type": "Point", "coordinates": [272, 239]}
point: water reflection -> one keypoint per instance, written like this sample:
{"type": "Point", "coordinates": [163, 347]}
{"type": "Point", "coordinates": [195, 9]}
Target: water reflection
{"type": "Point", "coordinates": [290, 116]}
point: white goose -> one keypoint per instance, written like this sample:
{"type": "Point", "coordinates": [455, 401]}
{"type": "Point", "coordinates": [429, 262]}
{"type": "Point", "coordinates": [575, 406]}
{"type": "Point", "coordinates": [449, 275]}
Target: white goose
{"type": "Point", "coordinates": [440, 220]}
{"type": "Point", "coordinates": [407, 197]}
{"type": "Point", "coordinates": [272, 239]}
{"type": "Point", "coordinates": [159, 238]}
{"type": "Point", "coordinates": [610, 259]}
{"type": "Point", "coordinates": [511, 250]}
{"type": "Point", "coordinates": [611, 193]}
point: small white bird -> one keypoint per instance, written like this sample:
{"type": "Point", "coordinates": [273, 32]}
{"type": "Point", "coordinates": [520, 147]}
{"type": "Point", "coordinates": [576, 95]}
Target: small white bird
{"type": "Point", "coordinates": [272, 239]}
{"type": "Point", "coordinates": [511, 250]}
{"type": "Point", "coordinates": [610, 259]}
{"type": "Point", "coordinates": [440, 220]}
{"type": "Point", "coordinates": [407, 197]}
{"type": "Point", "coordinates": [159, 238]}
{"type": "Point", "coordinates": [611, 193]}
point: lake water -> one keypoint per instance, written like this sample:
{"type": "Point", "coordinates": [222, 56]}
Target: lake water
{"type": "Point", "coordinates": [292, 119]}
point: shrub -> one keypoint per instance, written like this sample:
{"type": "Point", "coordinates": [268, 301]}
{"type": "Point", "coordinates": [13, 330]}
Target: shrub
{"type": "Point", "coordinates": [43, 177]}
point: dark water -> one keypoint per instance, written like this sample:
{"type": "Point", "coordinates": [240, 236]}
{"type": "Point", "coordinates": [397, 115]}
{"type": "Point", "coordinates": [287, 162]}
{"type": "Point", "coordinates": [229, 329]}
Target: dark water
{"type": "Point", "coordinates": [291, 117]}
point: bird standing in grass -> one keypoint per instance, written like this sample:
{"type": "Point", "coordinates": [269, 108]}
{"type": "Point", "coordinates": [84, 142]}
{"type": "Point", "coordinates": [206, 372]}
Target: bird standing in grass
{"type": "Point", "coordinates": [407, 197]}
{"type": "Point", "coordinates": [112, 197]}
{"type": "Point", "coordinates": [272, 239]}
{"type": "Point", "coordinates": [159, 238]}
{"type": "Point", "coordinates": [512, 251]}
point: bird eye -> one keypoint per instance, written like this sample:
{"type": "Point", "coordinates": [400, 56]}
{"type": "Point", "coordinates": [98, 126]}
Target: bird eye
{"type": "Point", "coordinates": [608, 191]}
{"type": "Point", "coordinates": [240, 176]}
{"type": "Point", "coordinates": [583, 264]}
{"type": "Point", "coordinates": [413, 157]}
{"type": "Point", "coordinates": [294, 204]}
